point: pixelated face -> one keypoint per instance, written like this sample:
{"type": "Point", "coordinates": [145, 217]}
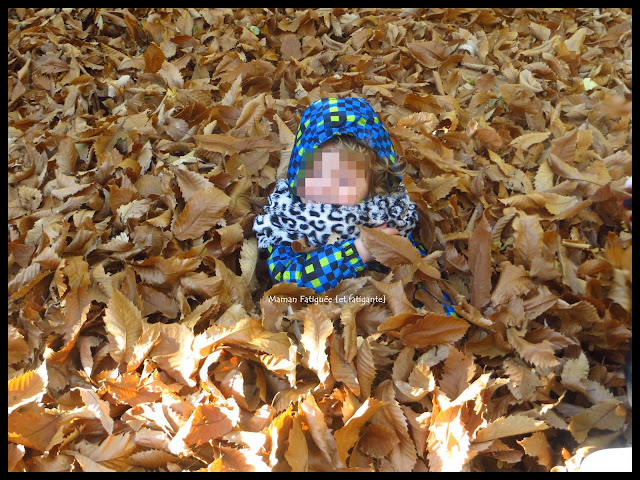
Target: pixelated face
{"type": "Point", "coordinates": [332, 175]}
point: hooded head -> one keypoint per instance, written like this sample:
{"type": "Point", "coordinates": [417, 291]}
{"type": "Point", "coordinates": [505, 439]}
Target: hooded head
{"type": "Point", "coordinates": [328, 117]}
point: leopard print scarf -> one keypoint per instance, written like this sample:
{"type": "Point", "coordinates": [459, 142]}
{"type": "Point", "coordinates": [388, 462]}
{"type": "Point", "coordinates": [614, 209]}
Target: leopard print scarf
{"type": "Point", "coordinates": [287, 219]}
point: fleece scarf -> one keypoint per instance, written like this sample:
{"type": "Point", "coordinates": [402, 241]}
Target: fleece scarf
{"type": "Point", "coordinates": [287, 219]}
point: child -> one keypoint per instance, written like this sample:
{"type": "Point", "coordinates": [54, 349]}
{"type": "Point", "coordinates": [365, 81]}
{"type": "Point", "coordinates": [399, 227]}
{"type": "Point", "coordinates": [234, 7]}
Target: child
{"type": "Point", "coordinates": [343, 172]}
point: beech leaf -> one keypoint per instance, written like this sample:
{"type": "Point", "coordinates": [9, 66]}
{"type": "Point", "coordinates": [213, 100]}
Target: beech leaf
{"type": "Point", "coordinates": [393, 250]}
{"type": "Point", "coordinates": [26, 388]}
{"type": "Point", "coordinates": [123, 321]}
{"type": "Point", "coordinates": [348, 435]}
{"type": "Point", "coordinates": [509, 426]}
{"type": "Point", "coordinates": [433, 329]}
{"type": "Point", "coordinates": [480, 263]}
{"type": "Point", "coordinates": [203, 210]}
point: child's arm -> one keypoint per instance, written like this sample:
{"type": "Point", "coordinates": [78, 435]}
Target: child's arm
{"type": "Point", "coordinates": [418, 245]}
{"type": "Point", "coordinates": [320, 270]}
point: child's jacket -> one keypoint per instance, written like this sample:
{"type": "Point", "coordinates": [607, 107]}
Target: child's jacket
{"type": "Point", "coordinates": [323, 268]}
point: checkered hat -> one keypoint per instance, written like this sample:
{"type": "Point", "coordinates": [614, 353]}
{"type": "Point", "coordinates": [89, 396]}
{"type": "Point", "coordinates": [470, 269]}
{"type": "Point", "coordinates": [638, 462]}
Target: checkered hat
{"type": "Point", "coordinates": [327, 117]}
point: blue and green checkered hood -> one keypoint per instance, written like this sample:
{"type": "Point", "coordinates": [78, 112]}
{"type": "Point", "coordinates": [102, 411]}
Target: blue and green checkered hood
{"type": "Point", "coordinates": [327, 117]}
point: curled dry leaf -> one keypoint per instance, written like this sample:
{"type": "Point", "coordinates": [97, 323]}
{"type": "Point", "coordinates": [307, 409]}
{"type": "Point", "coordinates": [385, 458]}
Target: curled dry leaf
{"type": "Point", "coordinates": [537, 446]}
{"type": "Point", "coordinates": [98, 407]}
{"type": "Point", "coordinates": [317, 329]}
{"type": "Point", "coordinates": [348, 435]}
{"type": "Point", "coordinates": [448, 441]}
{"type": "Point", "coordinates": [480, 263]}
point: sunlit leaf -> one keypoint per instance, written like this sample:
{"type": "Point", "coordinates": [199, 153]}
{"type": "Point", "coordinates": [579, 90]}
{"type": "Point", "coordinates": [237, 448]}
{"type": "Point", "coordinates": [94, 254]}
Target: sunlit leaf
{"type": "Point", "coordinates": [509, 426]}
{"type": "Point", "coordinates": [28, 387]}
{"type": "Point", "coordinates": [123, 321]}
{"type": "Point", "coordinates": [347, 436]}
{"type": "Point", "coordinates": [317, 328]}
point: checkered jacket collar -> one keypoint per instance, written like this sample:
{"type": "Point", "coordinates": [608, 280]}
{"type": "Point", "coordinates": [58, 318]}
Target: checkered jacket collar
{"type": "Point", "coordinates": [327, 117]}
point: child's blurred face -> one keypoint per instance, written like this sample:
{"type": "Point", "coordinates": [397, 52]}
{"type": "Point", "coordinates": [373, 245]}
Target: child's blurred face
{"type": "Point", "coordinates": [333, 175]}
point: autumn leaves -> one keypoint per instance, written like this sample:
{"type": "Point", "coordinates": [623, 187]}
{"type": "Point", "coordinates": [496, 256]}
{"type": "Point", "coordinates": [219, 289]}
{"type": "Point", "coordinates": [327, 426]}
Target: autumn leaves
{"type": "Point", "coordinates": [144, 332]}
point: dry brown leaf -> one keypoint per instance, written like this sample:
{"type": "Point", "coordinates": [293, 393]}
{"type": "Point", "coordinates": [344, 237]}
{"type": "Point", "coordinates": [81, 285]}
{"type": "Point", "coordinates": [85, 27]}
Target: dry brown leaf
{"type": "Point", "coordinates": [393, 250]}
{"type": "Point", "coordinates": [202, 212]}
{"type": "Point", "coordinates": [366, 369]}
{"type": "Point", "coordinates": [540, 354]}
{"type": "Point", "coordinates": [297, 454]}
{"type": "Point", "coordinates": [509, 426]}
{"type": "Point", "coordinates": [457, 372]}
{"type": "Point", "coordinates": [98, 407]}
{"type": "Point", "coordinates": [575, 371]}
{"type": "Point", "coordinates": [377, 441]}
{"type": "Point", "coordinates": [17, 348]}
{"type": "Point", "coordinates": [433, 329]}
{"type": "Point", "coordinates": [395, 296]}
{"type": "Point", "coordinates": [527, 239]}
{"type": "Point", "coordinates": [320, 433]}
{"type": "Point", "coordinates": [525, 141]}
{"type": "Point", "coordinates": [123, 321]}
{"type": "Point", "coordinates": [472, 315]}
{"type": "Point", "coordinates": [232, 94]}
{"type": "Point", "coordinates": [214, 142]}
{"type": "Point", "coordinates": [544, 177]}
{"type": "Point", "coordinates": [172, 351]}
{"type": "Point", "coordinates": [34, 427]}
{"type": "Point", "coordinates": [251, 112]}
{"type": "Point", "coordinates": [348, 435]}
{"type": "Point", "coordinates": [317, 328]}
{"type": "Point", "coordinates": [403, 455]}
{"type": "Point", "coordinates": [153, 58]}
{"type": "Point", "coordinates": [89, 465]}
{"type": "Point", "coordinates": [513, 281]}
{"type": "Point", "coordinates": [448, 441]}
{"type": "Point", "coordinates": [210, 422]}
{"type": "Point", "coordinates": [67, 156]}
{"type": "Point", "coordinates": [151, 459]}
{"type": "Point", "coordinates": [523, 380]}
{"type": "Point", "coordinates": [26, 388]}
{"type": "Point", "coordinates": [606, 415]}
{"type": "Point", "coordinates": [247, 333]}
{"type": "Point", "coordinates": [342, 368]}
{"type": "Point", "coordinates": [190, 182]}
{"type": "Point", "coordinates": [537, 446]}
{"type": "Point", "coordinates": [480, 263]}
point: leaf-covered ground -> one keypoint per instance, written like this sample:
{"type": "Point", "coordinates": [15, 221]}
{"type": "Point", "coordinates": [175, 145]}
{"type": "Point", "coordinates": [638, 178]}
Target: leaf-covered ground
{"type": "Point", "coordinates": [144, 331]}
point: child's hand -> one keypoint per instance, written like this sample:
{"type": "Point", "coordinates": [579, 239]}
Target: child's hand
{"type": "Point", "coordinates": [363, 251]}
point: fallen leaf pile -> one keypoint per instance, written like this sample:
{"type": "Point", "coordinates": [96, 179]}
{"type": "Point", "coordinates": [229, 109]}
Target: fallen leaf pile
{"type": "Point", "coordinates": [144, 330]}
